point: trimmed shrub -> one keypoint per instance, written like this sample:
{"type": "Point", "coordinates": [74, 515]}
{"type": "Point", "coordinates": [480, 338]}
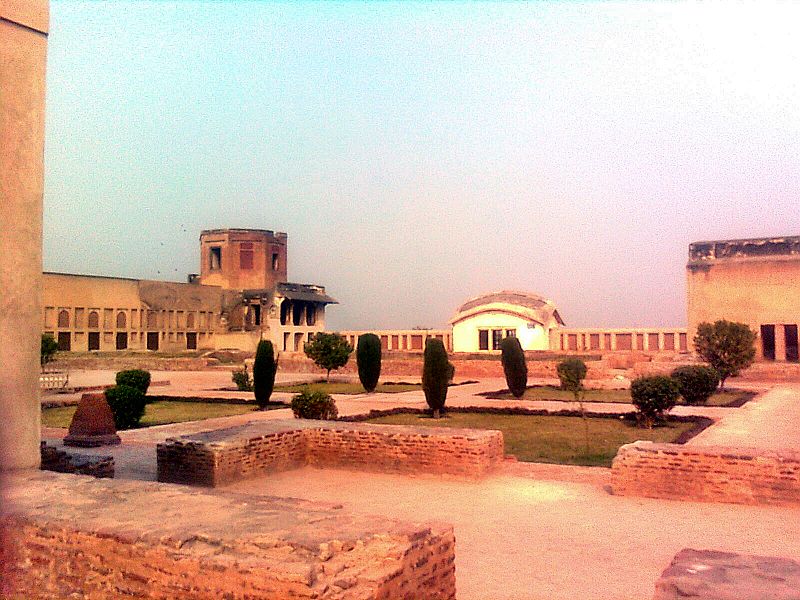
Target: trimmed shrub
{"type": "Point", "coordinates": [135, 378]}
{"type": "Point", "coordinates": [437, 372]}
{"type": "Point", "coordinates": [265, 366]}
{"type": "Point", "coordinates": [127, 405]}
{"type": "Point", "coordinates": [514, 366]}
{"type": "Point", "coordinates": [652, 397]}
{"type": "Point", "coordinates": [242, 380]}
{"type": "Point", "coordinates": [571, 373]}
{"type": "Point", "coordinates": [696, 383]}
{"type": "Point", "coordinates": [368, 359]}
{"type": "Point", "coordinates": [729, 347]}
{"type": "Point", "coordinates": [314, 405]}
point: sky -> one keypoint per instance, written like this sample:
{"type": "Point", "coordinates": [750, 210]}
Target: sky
{"type": "Point", "coordinates": [418, 153]}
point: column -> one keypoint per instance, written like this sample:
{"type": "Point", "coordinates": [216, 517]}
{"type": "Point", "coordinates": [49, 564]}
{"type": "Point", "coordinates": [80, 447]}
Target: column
{"type": "Point", "coordinates": [23, 49]}
{"type": "Point", "coordinates": [780, 342]}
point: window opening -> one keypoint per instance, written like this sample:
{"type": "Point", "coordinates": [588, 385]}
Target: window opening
{"type": "Point", "coordinates": [215, 258]}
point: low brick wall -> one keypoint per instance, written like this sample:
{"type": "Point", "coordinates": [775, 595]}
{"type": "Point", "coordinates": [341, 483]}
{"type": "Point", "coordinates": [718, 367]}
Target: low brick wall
{"type": "Point", "coordinates": [69, 536]}
{"type": "Point", "coordinates": [711, 575]}
{"type": "Point", "coordinates": [223, 456]}
{"type": "Point", "coordinates": [61, 461]}
{"type": "Point", "coordinates": [707, 474]}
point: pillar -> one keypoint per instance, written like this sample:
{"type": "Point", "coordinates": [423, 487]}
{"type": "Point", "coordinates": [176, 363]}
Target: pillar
{"type": "Point", "coordinates": [780, 342]}
{"type": "Point", "coordinates": [23, 48]}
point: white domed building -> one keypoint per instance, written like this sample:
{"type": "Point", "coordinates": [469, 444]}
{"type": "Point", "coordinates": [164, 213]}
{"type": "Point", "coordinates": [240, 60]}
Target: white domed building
{"type": "Point", "coordinates": [481, 323]}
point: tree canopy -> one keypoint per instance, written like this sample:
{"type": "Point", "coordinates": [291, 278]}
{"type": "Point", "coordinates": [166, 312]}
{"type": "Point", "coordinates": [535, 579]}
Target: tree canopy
{"type": "Point", "coordinates": [727, 346]}
{"type": "Point", "coordinates": [329, 351]}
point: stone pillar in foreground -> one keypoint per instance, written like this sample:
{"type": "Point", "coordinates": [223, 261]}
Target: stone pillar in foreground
{"type": "Point", "coordinates": [23, 48]}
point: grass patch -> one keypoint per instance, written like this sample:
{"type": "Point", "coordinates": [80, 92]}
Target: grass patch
{"type": "Point", "coordinates": [159, 412]}
{"type": "Point", "coordinates": [549, 392]}
{"type": "Point", "coordinates": [552, 439]}
{"type": "Point", "coordinates": [336, 387]}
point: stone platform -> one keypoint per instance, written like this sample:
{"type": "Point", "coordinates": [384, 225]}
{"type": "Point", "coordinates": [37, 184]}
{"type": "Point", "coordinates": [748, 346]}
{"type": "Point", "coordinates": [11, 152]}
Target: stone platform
{"type": "Point", "coordinates": [223, 456]}
{"type": "Point", "coordinates": [67, 535]}
{"type": "Point", "coordinates": [710, 575]}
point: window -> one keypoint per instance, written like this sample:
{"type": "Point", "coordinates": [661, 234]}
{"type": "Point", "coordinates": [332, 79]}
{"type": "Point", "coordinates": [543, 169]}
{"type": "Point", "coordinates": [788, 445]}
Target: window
{"type": "Point", "coordinates": [94, 320]}
{"type": "Point", "coordinates": [274, 261]}
{"type": "Point", "coordinates": [63, 319]}
{"type": "Point", "coordinates": [246, 256]}
{"type": "Point", "coordinates": [121, 321]}
{"type": "Point", "coordinates": [497, 337]}
{"type": "Point", "coordinates": [511, 333]}
{"type": "Point", "coordinates": [483, 339]}
{"type": "Point", "coordinates": [768, 342]}
{"type": "Point", "coordinates": [790, 332]}
{"type": "Point", "coordinates": [215, 258]}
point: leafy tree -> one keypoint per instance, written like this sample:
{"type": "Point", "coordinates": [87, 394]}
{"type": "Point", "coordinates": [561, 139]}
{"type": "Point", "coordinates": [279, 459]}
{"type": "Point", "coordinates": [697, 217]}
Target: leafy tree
{"type": "Point", "coordinates": [727, 346]}
{"type": "Point", "coordinates": [265, 366]}
{"type": "Point", "coordinates": [329, 351]}
{"type": "Point", "coordinates": [368, 359]}
{"type": "Point", "coordinates": [242, 379]}
{"type": "Point", "coordinates": [571, 373]}
{"type": "Point", "coordinates": [514, 366]}
{"type": "Point", "coordinates": [696, 383]}
{"type": "Point", "coordinates": [652, 397]}
{"type": "Point", "coordinates": [49, 349]}
{"type": "Point", "coordinates": [437, 372]}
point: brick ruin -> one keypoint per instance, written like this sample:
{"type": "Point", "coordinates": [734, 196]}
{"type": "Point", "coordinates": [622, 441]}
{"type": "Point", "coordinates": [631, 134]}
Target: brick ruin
{"type": "Point", "coordinates": [707, 474]}
{"type": "Point", "coordinates": [66, 535]}
{"type": "Point", "coordinates": [219, 457]}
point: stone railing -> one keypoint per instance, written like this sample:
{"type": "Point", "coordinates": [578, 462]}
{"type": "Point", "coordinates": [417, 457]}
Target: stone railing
{"type": "Point", "coordinates": [707, 473]}
{"type": "Point", "coordinates": [649, 339]}
{"type": "Point", "coordinates": [219, 457]}
{"type": "Point", "coordinates": [403, 340]}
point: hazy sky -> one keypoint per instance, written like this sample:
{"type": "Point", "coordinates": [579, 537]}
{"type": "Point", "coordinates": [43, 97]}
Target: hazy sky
{"type": "Point", "coordinates": [418, 154]}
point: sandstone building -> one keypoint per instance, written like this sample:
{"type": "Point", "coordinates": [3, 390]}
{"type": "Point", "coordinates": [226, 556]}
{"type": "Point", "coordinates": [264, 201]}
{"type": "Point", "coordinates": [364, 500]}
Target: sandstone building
{"type": "Point", "coordinates": [241, 295]}
{"type": "Point", "coordinates": [752, 281]}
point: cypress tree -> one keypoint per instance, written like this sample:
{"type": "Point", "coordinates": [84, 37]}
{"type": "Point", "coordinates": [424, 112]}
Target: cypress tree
{"type": "Point", "coordinates": [368, 359]}
{"type": "Point", "coordinates": [514, 366]}
{"type": "Point", "coordinates": [264, 368]}
{"type": "Point", "coordinates": [436, 374]}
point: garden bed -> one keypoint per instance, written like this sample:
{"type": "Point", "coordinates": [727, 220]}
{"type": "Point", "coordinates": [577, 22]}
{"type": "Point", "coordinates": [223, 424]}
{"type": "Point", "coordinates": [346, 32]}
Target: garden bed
{"type": "Point", "coordinates": [163, 412]}
{"type": "Point", "coordinates": [542, 436]}
{"type": "Point", "coordinates": [730, 398]}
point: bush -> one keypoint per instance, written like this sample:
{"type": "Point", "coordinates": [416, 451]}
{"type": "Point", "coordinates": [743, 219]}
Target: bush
{"type": "Point", "coordinates": [127, 405]}
{"type": "Point", "coordinates": [652, 397]}
{"type": "Point", "coordinates": [368, 359]}
{"type": "Point", "coordinates": [314, 405]}
{"type": "Point", "coordinates": [329, 351]}
{"type": "Point", "coordinates": [242, 380]}
{"type": "Point", "coordinates": [514, 366]}
{"type": "Point", "coordinates": [436, 374]}
{"type": "Point", "coordinates": [48, 350]}
{"type": "Point", "coordinates": [571, 373]}
{"type": "Point", "coordinates": [696, 383]}
{"type": "Point", "coordinates": [135, 378]}
{"type": "Point", "coordinates": [727, 346]}
{"type": "Point", "coordinates": [265, 366]}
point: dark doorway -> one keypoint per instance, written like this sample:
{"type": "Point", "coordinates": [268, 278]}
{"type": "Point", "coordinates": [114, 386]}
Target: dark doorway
{"type": "Point", "coordinates": [152, 340]}
{"type": "Point", "coordinates": [94, 340]}
{"type": "Point", "coordinates": [64, 341]}
{"type": "Point", "coordinates": [791, 342]}
{"type": "Point", "coordinates": [768, 342]}
{"type": "Point", "coordinates": [122, 341]}
{"type": "Point", "coordinates": [191, 340]}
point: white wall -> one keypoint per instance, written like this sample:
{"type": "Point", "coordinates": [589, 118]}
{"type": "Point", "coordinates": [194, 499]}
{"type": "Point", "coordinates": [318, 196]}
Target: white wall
{"type": "Point", "coordinates": [465, 333]}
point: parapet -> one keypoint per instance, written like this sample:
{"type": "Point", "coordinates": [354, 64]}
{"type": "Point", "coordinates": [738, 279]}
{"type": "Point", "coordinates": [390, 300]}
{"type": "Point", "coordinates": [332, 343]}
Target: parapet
{"type": "Point", "coordinates": [749, 249]}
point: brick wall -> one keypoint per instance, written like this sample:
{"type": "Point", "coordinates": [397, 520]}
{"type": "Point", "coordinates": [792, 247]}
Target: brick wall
{"type": "Point", "coordinates": [707, 474]}
{"type": "Point", "coordinates": [223, 456]}
{"type": "Point", "coordinates": [62, 461]}
{"type": "Point", "coordinates": [69, 536]}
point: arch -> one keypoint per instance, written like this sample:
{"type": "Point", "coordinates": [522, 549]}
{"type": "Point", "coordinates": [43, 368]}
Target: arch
{"type": "Point", "coordinates": [311, 313]}
{"type": "Point", "coordinates": [297, 312]}
{"type": "Point", "coordinates": [286, 306]}
{"type": "Point", "coordinates": [63, 319]}
{"type": "Point", "coordinates": [122, 320]}
{"type": "Point", "coordinates": [94, 319]}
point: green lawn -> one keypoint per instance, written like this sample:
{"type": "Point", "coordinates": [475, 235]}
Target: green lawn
{"type": "Point", "coordinates": [158, 413]}
{"type": "Point", "coordinates": [549, 392]}
{"type": "Point", "coordinates": [335, 387]}
{"type": "Point", "coordinates": [551, 439]}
